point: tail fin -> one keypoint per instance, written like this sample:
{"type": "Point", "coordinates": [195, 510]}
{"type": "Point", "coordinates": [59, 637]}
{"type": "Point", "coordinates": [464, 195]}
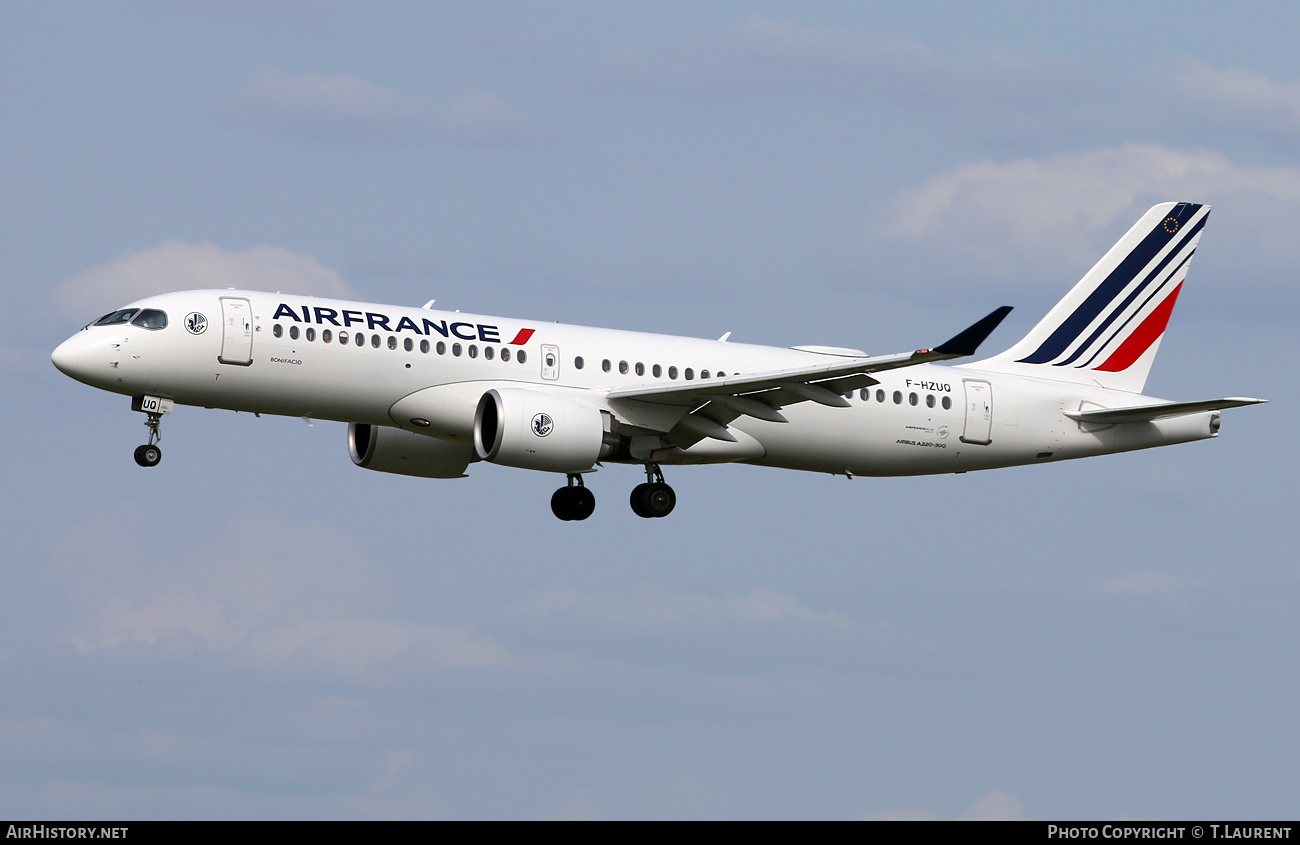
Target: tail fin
{"type": "Point", "coordinates": [1108, 327]}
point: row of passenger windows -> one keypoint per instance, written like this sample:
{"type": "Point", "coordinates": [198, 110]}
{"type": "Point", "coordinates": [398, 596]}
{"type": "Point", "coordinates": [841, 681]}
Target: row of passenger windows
{"type": "Point", "coordinates": [912, 398]}
{"type": "Point", "coordinates": [441, 347]}
{"type": "Point", "coordinates": [640, 369]}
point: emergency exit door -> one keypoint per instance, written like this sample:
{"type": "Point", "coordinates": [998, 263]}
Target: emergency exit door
{"type": "Point", "coordinates": [979, 413]}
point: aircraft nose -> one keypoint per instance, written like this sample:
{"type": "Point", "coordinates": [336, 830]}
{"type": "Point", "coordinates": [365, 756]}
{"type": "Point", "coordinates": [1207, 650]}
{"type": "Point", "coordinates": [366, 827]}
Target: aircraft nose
{"type": "Point", "coordinates": [71, 356]}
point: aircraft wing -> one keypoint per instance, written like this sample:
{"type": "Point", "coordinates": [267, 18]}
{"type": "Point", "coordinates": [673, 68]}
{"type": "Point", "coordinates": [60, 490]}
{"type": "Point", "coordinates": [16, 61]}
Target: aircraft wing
{"type": "Point", "coordinates": [711, 404]}
{"type": "Point", "coordinates": [1147, 413]}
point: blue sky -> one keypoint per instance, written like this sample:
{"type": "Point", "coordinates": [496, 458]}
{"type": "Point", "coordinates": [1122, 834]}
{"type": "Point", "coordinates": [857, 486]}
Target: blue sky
{"type": "Point", "coordinates": [257, 628]}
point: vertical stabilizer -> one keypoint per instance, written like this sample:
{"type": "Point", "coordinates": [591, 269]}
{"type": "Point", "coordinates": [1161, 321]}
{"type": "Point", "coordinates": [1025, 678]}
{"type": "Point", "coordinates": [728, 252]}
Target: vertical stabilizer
{"type": "Point", "coordinates": [1108, 327]}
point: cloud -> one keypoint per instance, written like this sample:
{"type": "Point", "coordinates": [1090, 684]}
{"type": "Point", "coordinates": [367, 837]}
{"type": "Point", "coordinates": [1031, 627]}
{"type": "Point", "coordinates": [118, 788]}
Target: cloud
{"type": "Point", "coordinates": [348, 106]}
{"type": "Point", "coordinates": [299, 598]}
{"type": "Point", "coordinates": [176, 265]}
{"type": "Point", "coordinates": [652, 608]}
{"type": "Point", "coordinates": [1233, 96]}
{"type": "Point", "coordinates": [1031, 215]}
{"type": "Point", "coordinates": [995, 805]}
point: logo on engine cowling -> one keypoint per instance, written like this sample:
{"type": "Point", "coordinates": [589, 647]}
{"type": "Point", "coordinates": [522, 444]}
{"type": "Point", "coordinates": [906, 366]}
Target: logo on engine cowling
{"type": "Point", "coordinates": [543, 424]}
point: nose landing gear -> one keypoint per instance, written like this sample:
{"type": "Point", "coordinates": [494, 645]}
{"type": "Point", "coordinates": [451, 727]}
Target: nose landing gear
{"type": "Point", "coordinates": [153, 408]}
{"type": "Point", "coordinates": [574, 502]}
{"type": "Point", "coordinates": [654, 498]}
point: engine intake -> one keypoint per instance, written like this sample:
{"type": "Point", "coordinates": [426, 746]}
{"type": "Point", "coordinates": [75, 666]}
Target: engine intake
{"type": "Point", "coordinates": [535, 430]}
{"type": "Point", "coordinates": [385, 449]}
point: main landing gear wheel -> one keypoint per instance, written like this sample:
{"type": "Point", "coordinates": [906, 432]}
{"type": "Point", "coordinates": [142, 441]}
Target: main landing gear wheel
{"type": "Point", "coordinates": [573, 503]}
{"type": "Point", "coordinates": [148, 456]}
{"type": "Point", "coordinates": [654, 498]}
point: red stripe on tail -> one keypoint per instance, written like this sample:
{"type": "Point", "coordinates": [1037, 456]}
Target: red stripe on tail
{"type": "Point", "coordinates": [1142, 338]}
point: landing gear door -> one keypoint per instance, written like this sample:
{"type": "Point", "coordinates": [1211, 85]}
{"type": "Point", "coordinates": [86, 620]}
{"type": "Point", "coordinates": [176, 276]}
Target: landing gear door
{"type": "Point", "coordinates": [550, 362]}
{"type": "Point", "coordinates": [979, 412]}
{"type": "Point", "coordinates": [237, 331]}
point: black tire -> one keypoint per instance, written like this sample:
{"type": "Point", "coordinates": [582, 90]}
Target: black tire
{"type": "Point", "coordinates": [659, 499]}
{"type": "Point", "coordinates": [640, 506]}
{"type": "Point", "coordinates": [584, 502]}
{"type": "Point", "coordinates": [148, 456]}
{"type": "Point", "coordinates": [562, 504]}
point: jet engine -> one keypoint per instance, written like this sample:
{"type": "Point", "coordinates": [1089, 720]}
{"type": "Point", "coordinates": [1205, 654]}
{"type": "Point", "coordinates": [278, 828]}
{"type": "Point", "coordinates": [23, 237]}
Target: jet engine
{"type": "Point", "coordinates": [535, 430]}
{"type": "Point", "coordinates": [385, 449]}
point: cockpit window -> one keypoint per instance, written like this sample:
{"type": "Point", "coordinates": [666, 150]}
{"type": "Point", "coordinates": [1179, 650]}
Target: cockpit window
{"type": "Point", "coordinates": [151, 318]}
{"type": "Point", "coordinates": [122, 316]}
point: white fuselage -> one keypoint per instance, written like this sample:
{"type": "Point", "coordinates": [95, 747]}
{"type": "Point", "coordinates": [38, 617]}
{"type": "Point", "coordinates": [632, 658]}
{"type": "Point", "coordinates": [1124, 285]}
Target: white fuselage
{"type": "Point", "coordinates": [918, 420]}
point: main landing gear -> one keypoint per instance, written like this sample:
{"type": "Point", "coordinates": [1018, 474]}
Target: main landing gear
{"type": "Point", "coordinates": [654, 498]}
{"type": "Point", "coordinates": [574, 502]}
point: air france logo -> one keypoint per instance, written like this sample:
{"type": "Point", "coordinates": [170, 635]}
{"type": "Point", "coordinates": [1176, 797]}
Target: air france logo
{"type": "Point", "coordinates": [543, 424]}
{"type": "Point", "coordinates": [196, 323]}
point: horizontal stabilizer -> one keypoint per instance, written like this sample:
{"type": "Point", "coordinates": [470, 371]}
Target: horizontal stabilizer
{"type": "Point", "coordinates": [1147, 413]}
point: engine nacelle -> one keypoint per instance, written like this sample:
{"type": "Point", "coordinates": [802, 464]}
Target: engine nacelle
{"type": "Point", "coordinates": [385, 449]}
{"type": "Point", "coordinates": [535, 430]}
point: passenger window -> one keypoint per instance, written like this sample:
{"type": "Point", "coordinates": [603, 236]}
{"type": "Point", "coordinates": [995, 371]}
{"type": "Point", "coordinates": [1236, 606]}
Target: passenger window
{"type": "Point", "coordinates": [374, 341]}
{"type": "Point", "coordinates": [521, 356]}
{"type": "Point", "coordinates": [864, 394]}
{"type": "Point", "coordinates": [704, 373]}
{"type": "Point", "coordinates": [505, 353]}
{"type": "Point", "coordinates": [898, 397]}
{"type": "Point", "coordinates": [656, 371]}
{"type": "Point", "coordinates": [360, 339]}
{"type": "Point", "coordinates": [911, 398]}
{"type": "Point", "coordinates": [293, 333]}
{"type": "Point", "coordinates": [929, 400]}
{"type": "Point", "coordinates": [721, 374]}
{"type": "Point", "coordinates": [672, 373]}
{"type": "Point", "coordinates": [441, 348]}
{"type": "Point", "coordinates": [408, 344]}
{"type": "Point", "coordinates": [690, 374]}
{"type": "Point", "coordinates": [473, 351]}
{"type": "Point", "coordinates": [327, 335]}
{"type": "Point", "coordinates": [578, 362]}
{"type": "Point", "coordinates": [278, 331]}
{"type": "Point", "coordinates": [550, 360]}
{"type": "Point", "coordinates": [880, 396]}
{"type": "Point", "coordinates": [311, 334]}
{"type": "Point", "coordinates": [343, 338]}
{"type": "Point", "coordinates": [489, 353]}
{"type": "Point", "coordinates": [392, 341]}
{"type": "Point", "coordinates": [455, 350]}
{"type": "Point", "coordinates": [424, 347]}
{"type": "Point", "coordinates": [605, 365]}
{"type": "Point", "coordinates": [947, 403]}
{"type": "Point", "coordinates": [622, 367]}
{"type": "Point", "coordinates": [640, 368]}
{"type": "Point", "coordinates": [151, 318]}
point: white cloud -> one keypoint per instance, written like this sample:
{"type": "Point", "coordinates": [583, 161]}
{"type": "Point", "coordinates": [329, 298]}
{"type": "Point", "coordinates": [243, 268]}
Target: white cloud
{"type": "Point", "coordinates": [1068, 208]}
{"type": "Point", "coordinates": [996, 805]}
{"type": "Point", "coordinates": [299, 598]}
{"type": "Point", "coordinates": [652, 608]}
{"type": "Point", "coordinates": [1233, 95]}
{"type": "Point", "coordinates": [176, 265]}
{"type": "Point", "coordinates": [349, 106]}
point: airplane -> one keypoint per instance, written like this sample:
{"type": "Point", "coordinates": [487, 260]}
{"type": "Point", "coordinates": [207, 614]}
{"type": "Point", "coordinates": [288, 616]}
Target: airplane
{"type": "Point", "coordinates": [426, 393]}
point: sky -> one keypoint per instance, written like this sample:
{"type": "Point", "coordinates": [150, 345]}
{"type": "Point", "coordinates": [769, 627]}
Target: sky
{"type": "Point", "coordinates": [259, 629]}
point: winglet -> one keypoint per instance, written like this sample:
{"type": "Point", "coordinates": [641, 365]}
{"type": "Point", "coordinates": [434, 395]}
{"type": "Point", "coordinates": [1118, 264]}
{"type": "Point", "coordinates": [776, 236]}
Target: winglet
{"type": "Point", "coordinates": [969, 340]}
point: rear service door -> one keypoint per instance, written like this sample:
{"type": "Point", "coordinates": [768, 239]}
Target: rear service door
{"type": "Point", "coordinates": [979, 413]}
{"type": "Point", "coordinates": [237, 331]}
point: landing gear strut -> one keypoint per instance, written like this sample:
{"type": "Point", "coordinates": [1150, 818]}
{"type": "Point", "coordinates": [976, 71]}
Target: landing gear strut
{"type": "Point", "coordinates": [654, 498]}
{"type": "Point", "coordinates": [149, 454]}
{"type": "Point", "coordinates": [573, 502]}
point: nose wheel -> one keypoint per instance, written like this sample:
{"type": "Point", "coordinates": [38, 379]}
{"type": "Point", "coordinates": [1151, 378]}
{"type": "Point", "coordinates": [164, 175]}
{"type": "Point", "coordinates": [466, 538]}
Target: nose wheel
{"type": "Point", "coordinates": [150, 454]}
{"type": "Point", "coordinates": [574, 502]}
{"type": "Point", "coordinates": [654, 498]}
